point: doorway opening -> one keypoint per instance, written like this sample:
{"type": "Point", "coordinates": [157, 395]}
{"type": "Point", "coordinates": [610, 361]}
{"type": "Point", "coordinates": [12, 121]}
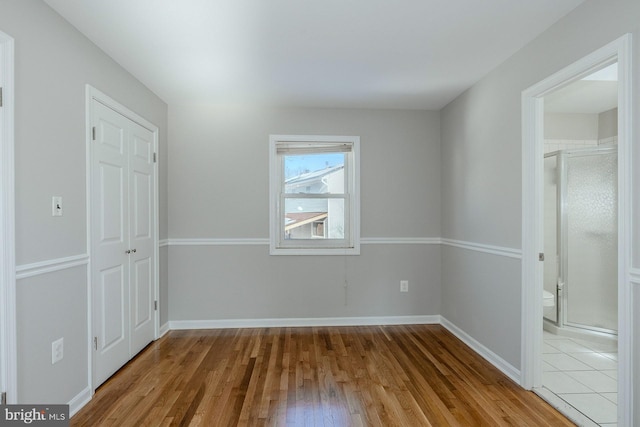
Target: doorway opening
{"type": "Point", "coordinates": [580, 305]}
{"type": "Point", "coordinates": [583, 309]}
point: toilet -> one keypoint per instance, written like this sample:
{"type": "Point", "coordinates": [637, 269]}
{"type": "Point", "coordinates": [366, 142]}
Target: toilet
{"type": "Point", "coordinates": [548, 299]}
{"type": "Point", "coordinates": [548, 304]}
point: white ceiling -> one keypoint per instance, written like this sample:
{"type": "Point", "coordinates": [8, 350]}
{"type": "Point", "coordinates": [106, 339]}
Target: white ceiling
{"type": "Point", "coordinates": [417, 54]}
{"type": "Point", "coordinates": [593, 94]}
{"type": "Point", "coordinates": [587, 97]}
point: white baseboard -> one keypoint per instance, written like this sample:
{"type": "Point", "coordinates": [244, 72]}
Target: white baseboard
{"type": "Point", "coordinates": [497, 361]}
{"type": "Point", "coordinates": [79, 401]}
{"type": "Point", "coordinates": [163, 330]}
{"type": "Point", "coordinates": [296, 322]}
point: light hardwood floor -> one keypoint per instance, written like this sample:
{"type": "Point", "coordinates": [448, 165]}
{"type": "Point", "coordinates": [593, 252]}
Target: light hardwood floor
{"type": "Point", "coordinates": [417, 375]}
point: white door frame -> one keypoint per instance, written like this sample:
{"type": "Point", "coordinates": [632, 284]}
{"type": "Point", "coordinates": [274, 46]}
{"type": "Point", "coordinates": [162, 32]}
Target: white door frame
{"type": "Point", "coordinates": [532, 217]}
{"type": "Point", "coordinates": [94, 94]}
{"type": "Point", "coordinates": [8, 345]}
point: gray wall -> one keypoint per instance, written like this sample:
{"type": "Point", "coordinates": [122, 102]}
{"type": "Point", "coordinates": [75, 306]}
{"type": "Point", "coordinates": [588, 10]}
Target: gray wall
{"type": "Point", "coordinates": [608, 123]}
{"type": "Point", "coordinates": [571, 126]}
{"type": "Point", "coordinates": [245, 282]}
{"type": "Point", "coordinates": [48, 307]}
{"type": "Point", "coordinates": [486, 301]}
{"type": "Point", "coordinates": [218, 187]}
{"type": "Point", "coordinates": [53, 62]}
{"type": "Point", "coordinates": [481, 164]}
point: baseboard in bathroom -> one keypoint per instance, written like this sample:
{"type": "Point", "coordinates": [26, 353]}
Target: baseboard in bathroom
{"type": "Point", "coordinates": [577, 333]}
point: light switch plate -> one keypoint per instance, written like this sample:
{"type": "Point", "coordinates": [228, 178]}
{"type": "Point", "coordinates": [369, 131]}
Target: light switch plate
{"type": "Point", "coordinates": [57, 350]}
{"type": "Point", "coordinates": [404, 286]}
{"type": "Point", "coordinates": [56, 206]}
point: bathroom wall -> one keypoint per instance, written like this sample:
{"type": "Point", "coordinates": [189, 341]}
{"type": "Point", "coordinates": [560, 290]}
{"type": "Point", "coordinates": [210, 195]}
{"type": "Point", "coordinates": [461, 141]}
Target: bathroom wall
{"type": "Point", "coordinates": [608, 127]}
{"type": "Point", "coordinates": [573, 126]}
{"type": "Point", "coordinates": [577, 130]}
{"type": "Point", "coordinates": [563, 131]}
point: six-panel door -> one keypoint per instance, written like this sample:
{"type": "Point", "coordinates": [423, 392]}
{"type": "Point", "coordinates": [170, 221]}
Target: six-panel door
{"type": "Point", "coordinates": [122, 240]}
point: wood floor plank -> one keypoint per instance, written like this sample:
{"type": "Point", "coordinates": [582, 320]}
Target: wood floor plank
{"type": "Point", "coordinates": [410, 375]}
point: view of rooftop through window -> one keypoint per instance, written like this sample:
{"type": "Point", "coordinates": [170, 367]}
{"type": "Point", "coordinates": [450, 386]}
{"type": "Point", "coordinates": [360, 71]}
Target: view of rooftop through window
{"type": "Point", "coordinates": [314, 194]}
{"type": "Point", "coordinates": [314, 218]}
{"type": "Point", "coordinates": [295, 165]}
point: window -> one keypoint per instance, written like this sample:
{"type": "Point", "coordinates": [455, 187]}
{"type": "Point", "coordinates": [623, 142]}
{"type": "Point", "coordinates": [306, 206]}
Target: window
{"type": "Point", "coordinates": [315, 203]}
{"type": "Point", "coordinates": [318, 229]}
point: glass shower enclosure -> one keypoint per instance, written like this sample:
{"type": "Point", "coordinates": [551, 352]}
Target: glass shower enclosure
{"type": "Point", "coordinates": [580, 199]}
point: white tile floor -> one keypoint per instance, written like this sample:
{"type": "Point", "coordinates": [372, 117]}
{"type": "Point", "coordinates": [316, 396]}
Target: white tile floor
{"type": "Point", "coordinates": [583, 374]}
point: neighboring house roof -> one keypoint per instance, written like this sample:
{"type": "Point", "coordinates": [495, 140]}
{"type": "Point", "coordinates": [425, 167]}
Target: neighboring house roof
{"type": "Point", "coordinates": [299, 212]}
{"type": "Point", "coordinates": [298, 206]}
{"type": "Point", "coordinates": [297, 219]}
{"type": "Point", "coordinates": [311, 177]}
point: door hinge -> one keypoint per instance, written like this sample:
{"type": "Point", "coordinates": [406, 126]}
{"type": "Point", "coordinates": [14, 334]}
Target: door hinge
{"type": "Point", "coordinates": [3, 398]}
{"type": "Point", "coordinates": [0, 97]}
{"type": "Point", "coordinates": [155, 305]}
{"type": "Point", "coordinates": [93, 133]}
{"type": "Point", "coordinates": [541, 256]}
{"type": "Point", "coordinates": [155, 158]}
{"type": "Point", "coordinates": [95, 343]}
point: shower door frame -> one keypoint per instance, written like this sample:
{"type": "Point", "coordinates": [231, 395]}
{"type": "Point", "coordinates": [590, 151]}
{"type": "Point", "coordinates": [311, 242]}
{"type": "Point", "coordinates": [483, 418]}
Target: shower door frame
{"type": "Point", "coordinates": [532, 218]}
{"type": "Point", "coordinates": [560, 227]}
{"type": "Point", "coordinates": [562, 236]}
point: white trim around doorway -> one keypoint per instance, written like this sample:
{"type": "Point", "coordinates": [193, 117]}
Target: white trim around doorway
{"type": "Point", "coordinates": [8, 344]}
{"type": "Point", "coordinates": [532, 217]}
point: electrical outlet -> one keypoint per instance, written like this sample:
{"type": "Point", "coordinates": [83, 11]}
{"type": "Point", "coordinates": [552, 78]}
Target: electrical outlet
{"type": "Point", "coordinates": [56, 206]}
{"type": "Point", "coordinates": [404, 286]}
{"type": "Point", "coordinates": [57, 351]}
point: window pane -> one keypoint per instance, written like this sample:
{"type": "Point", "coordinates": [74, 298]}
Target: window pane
{"type": "Point", "coordinates": [314, 219]}
{"type": "Point", "coordinates": [314, 173]}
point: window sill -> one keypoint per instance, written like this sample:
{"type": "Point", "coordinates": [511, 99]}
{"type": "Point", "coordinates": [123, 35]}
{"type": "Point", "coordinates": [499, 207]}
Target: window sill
{"type": "Point", "coordinates": [315, 251]}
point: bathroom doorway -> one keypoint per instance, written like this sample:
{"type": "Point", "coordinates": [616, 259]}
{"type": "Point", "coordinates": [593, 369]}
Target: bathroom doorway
{"type": "Point", "coordinates": [565, 313]}
{"type": "Point", "coordinates": [580, 303]}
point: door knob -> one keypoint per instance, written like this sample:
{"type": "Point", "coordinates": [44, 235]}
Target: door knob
{"type": "Point", "coordinates": [127, 252]}
{"type": "Point", "coordinates": [134, 250]}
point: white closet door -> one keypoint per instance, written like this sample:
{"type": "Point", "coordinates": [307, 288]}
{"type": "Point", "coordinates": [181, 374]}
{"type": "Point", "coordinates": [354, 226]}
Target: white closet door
{"type": "Point", "coordinates": [110, 241]}
{"type": "Point", "coordinates": [141, 216]}
{"type": "Point", "coordinates": [123, 240]}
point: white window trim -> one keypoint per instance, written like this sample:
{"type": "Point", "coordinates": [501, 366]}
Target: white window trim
{"type": "Point", "coordinates": [314, 246]}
